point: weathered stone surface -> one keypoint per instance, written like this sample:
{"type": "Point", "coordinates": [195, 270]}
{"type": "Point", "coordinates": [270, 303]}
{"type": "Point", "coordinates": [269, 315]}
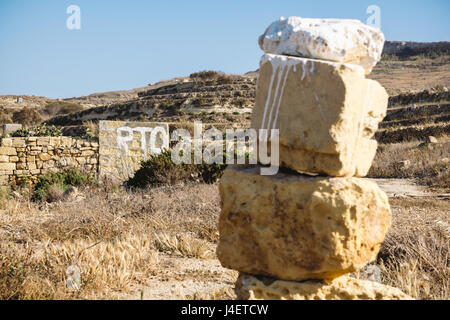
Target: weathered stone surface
{"type": "Point", "coordinates": [6, 142]}
{"type": "Point", "coordinates": [296, 227]}
{"type": "Point", "coordinates": [7, 166]}
{"type": "Point", "coordinates": [327, 114]}
{"type": "Point", "coordinates": [340, 40]}
{"type": "Point", "coordinates": [343, 288]}
{"type": "Point", "coordinates": [9, 151]}
{"type": "Point", "coordinates": [431, 139]}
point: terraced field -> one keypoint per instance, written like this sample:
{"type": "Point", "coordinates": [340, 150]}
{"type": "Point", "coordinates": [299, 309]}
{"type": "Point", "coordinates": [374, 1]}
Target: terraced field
{"type": "Point", "coordinates": [415, 75]}
{"type": "Point", "coordinates": [412, 122]}
{"type": "Point", "coordinates": [177, 102]}
{"type": "Point", "coordinates": [409, 117]}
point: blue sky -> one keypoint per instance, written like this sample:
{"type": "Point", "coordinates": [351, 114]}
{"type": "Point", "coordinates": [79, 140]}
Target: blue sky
{"type": "Point", "coordinates": [127, 44]}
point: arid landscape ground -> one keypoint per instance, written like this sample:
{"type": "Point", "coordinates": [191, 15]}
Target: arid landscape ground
{"type": "Point", "coordinates": [159, 242]}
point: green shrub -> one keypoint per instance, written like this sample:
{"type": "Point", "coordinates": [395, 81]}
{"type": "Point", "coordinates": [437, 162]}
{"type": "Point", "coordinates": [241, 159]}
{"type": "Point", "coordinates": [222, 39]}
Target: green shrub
{"type": "Point", "coordinates": [210, 173]}
{"type": "Point", "coordinates": [160, 170]}
{"type": "Point", "coordinates": [38, 131]}
{"type": "Point", "coordinates": [204, 75]}
{"type": "Point", "coordinates": [64, 180]}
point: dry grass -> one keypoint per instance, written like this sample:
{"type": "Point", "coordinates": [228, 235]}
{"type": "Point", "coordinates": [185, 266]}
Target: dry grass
{"type": "Point", "coordinates": [428, 164]}
{"type": "Point", "coordinates": [114, 237]}
{"type": "Point", "coordinates": [55, 191]}
{"type": "Point", "coordinates": [415, 255]}
{"type": "Point", "coordinates": [183, 245]}
{"type": "Point", "coordinates": [417, 72]}
{"type": "Point", "coordinates": [92, 127]}
{"type": "Point", "coordinates": [121, 240]}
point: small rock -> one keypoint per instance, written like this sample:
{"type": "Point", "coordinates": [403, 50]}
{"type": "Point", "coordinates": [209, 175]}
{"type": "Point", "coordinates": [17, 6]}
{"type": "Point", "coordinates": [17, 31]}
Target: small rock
{"type": "Point", "coordinates": [373, 273]}
{"type": "Point", "coordinates": [250, 287]}
{"type": "Point", "coordinates": [73, 277]}
{"type": "Point", "coordinates": [405, 164]}
{"type": "Point", "coordinates": [431, 139]}
{"type": "Point", "coordinates": [69, 194]}
{"type": "Point", "coordinates": [16, 195]}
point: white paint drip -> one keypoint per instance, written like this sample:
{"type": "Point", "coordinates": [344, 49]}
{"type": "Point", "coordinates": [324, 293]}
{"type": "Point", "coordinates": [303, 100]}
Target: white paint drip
{"type": "Point", "coordinates": [276, 97]}
{"type": "Point", "coordinates": [361, 121]}
{"type": "Point", "coordinates": [321, 112]}
{"type": "Point", "coordinates": [269, 93]}
{"type": "Point", "coordinates": [281, 66]}
{"type": "Point", "coordinates": [281, 95]}
{"type": "Point", "coordinates": [303, 69]}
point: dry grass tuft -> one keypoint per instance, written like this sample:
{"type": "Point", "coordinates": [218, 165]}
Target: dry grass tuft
{"type": "Point", "coordinates": [183, 245]}
{"type": "Point", "coordinates": [415, 255]}
{"type": "Point", "coordinates": [91, 127]}
{"type": "Point", "coordinates": [40, 272]}
{"type": "Point", "coordinates": [428, 164]}
{"type": "Point", "coordinates": [110, 236]}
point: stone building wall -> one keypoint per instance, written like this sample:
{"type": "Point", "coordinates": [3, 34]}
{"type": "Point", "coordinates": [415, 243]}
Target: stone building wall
{"type": "Point", "coordinates": [28, 158]}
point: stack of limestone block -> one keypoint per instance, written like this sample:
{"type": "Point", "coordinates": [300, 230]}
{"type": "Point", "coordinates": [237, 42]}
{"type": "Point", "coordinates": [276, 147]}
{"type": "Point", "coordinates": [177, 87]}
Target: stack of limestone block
{"type": "Point", "coordinates": [299, 233]}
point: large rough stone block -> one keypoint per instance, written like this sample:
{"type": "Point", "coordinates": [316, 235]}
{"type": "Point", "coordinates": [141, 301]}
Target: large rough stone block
{"type": "Point", "coordinates": [343, 288]}
{"type": "Point", "coordinates": [296, 227]}
{"type": "Point", "coordinates": [340, 40]}
{"type": "Point", "coordinates": [327, 114]}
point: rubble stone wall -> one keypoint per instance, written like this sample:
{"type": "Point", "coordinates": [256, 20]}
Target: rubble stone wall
{"type": "Point", "coordinates": [121, 148]}
{"type": "Point", "coordinates": [27, 158]}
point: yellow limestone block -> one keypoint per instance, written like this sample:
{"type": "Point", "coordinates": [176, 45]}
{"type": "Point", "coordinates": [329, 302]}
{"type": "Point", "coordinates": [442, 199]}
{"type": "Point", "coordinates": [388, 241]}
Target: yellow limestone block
{"type": "Point", "coordinates": [296, 227]}
{"type": "Point", "coordinates": [327, 113]}
{"type": "Point", "coordinates": [343, 288]}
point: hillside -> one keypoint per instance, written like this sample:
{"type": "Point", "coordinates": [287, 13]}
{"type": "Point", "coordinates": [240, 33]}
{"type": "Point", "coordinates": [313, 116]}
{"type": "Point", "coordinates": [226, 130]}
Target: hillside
{"type": "Point", "coordinates": [412, 73]}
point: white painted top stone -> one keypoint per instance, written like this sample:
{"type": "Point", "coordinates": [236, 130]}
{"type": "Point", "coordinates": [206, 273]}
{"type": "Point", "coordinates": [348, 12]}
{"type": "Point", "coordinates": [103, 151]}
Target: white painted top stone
{"type": "Point", "coordinates": [339, 40]}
